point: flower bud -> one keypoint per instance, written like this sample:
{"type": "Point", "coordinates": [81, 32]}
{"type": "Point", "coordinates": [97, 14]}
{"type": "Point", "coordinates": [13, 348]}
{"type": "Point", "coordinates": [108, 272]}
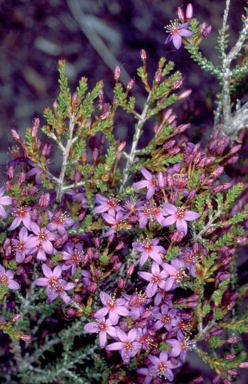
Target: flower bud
{"type": "Point", "coordinates": [121, 284]}
{"type": "Point", "coordinates": [205, 29]}
{"type": "Point", "coordinates": [35, 127]}
{"type": "Point", "coordinates": [15, 134]}
{"type": "Point", "coordinates": [130, 84]}
{"type": "Point", "coordinates": [161, 180]}
{"type": "Point", "coordinates": [212, 144]}
{"type": "Point", "coordinates": [180, 14]}
{"type": "Point", "coordinates": [130, 270]}
{"type": "Point", "coordinates": [244, 364]}
{"type": "Point", "coordinates": [198, 380]}
{"type": "Point", "coordinates": [143, 55]}
{"type": "Point", "coordinates": [117, 73]}
{"type": "Point", "coordinates": [191, 194]}
{"type": "Point", "coordinates": [189, 12]}
{"type": "Point", "coordinates": [227, 381]}
{"type": "Point", "coordinates": [16, 317]}
{"type": "Point", "coordinates": [26, 338]}
{"type": "Point", "coordinates": [217, 172]}
{"type": "Point", "coordinates": [92, 287]}
{"type": "Point", "coordinates": [169, 144]}
{"type": "Point", "coordinates": [183, 127]}
{"type": "Point", "coordinates": [185, 94]}
{"type": "Point", "coordinates": [233, 160]}
{"type": "Point", "coordinates": [230, 357]}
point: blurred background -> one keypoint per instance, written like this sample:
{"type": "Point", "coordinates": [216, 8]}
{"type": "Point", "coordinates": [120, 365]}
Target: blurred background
{"type": "Point", "coordinates": [94, 36]}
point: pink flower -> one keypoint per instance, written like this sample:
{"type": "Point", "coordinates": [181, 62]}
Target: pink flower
{"type": "Point", "coordinates": [73, 258]}
{"type": "Point", "coordinates": [161, 365]}
{"type": "Point", "coordinates": [42, 240]}
{"type": "Point", "coordinates": [111, 205]}
{"type": "Point", "coordinates": [127, 345]}
{"type": "Point", "coordinates": [151, 183]}
{"type": "Point", "coordinates": [180, 216]}
{"type": "Point", "coordinates": [60, 221]}
{"type": "Point", "coordinates": [175, 273]}
{"type": "Point", "coordinates": [22, 215]}
{"type": "Point", "coordinates": [56, 286]}
{"type": "Point", "coordinates": [103, 327]}
{"type": "Point", "coordinates": [176, 31]}
{"type": "Point", "coordinates": [6, 278]}
{"type": "Point", "coordinates": [156, 279]}
{"type": "Point", "coordinates": [4, 200]}
{"type": "Point", "coordinates": [115, 308]}
{"type": "Point", "coordinates": [179, 346]}
{"type": "Point", "coordinates": [150, 248]}
{"type": "Point", "coordinates": [20, 246]}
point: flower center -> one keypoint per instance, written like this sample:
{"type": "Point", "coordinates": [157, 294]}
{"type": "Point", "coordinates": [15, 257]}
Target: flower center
{"type": "Point", "coordinates": [128, 345]}
{"type": "Point", "coordinates": [180, 212]}
{"type": "Point", "coordinates": [162, 367]}
{"type": "Point", "coordinates": [53, 282]}
{"type": "Point", "coordinates": [102, 327]}
{"type": "Point", "coordinates": [3, 280]}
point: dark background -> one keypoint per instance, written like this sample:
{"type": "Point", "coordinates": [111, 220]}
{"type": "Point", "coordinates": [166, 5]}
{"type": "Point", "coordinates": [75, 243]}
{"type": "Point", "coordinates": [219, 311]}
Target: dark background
{"type": "Point", "coordinates": [93, 36]}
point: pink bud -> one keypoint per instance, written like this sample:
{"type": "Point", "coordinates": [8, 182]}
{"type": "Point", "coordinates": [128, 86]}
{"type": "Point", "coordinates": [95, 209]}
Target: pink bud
{"type": "Point", "coordinates": [121, 284]}
{"type": "Point", "coordinates": [230, 357]}
{"type": "Point", "coordinates": [244, 364]}
{"type": "Point", "coordinates": [15, 134]}
{"type": "Point", "coordinates": [130, 270]}
{"type": "Point", "coordinates": [35, 127]}
{"type": "Point", "coordinates": [185, 94]}
{"type": "Point", "coordinates": [117, 72]}
{"type": "Point", "coordinates": [16, 317]}
{"type": "Point", "coordinates": [121, 146]}
{"type": "Point", "coordinates": [26, 338]}
{"type": "Point", "coordinates": [180, 14]}
{"type": "Point", "coordinates": [130, 84]}
{"type": "Point", "coordinates": [143, 55]}
{"type": "Point", "coordinates": [233, 160]}
{"type": "Point", "coordinates": [189, 12]}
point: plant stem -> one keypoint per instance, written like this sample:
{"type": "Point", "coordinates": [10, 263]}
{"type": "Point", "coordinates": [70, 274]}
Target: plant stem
{"type": "Point", "coordinates": [137, 135]}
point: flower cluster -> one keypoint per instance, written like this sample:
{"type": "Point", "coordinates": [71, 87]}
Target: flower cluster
{"type": "Point", "coordinates": [142, 254]}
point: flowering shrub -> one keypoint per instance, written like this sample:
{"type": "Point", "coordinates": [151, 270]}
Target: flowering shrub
{"type": "Point", "coordinates": [117, 267]}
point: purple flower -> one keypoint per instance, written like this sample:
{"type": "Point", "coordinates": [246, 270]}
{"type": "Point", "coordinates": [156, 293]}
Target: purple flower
{"type": "Point", "coordinates": [127, 345]}
{"type": "Point", "coordinates": [56, 286]}
{"type": "Point", "coordinates": [146, 372]}
{"type": "Point", "coordinates": [60, 221]}
{"type": "Point", "coordinates": [6, 278]}
{"type": "Point", "coordinates": [179, 346]}
{"type": "Point", "coordinates": [4, 200]}
{"type": "Point", "coordinates": [22, 215]}
{"type": "Point", "coordinates": [73, 258]}
{"type": "Point", "coordinates": [161, 365]}
{"type": "Point", "coordinates": [150, 248]}
{"type": "Point", "coordinates": [151, 212]}
{"type": "Point", "coordinates": [115, 222]}
{"type": "Point", "coordinates": [137, 304]}
{"type": "Point", "coordinates": [110, 205]}
{"type": "Point", "coordinates": [20, 246]}
{"type": "Point", "coordinates": [42, 240]}
{"type": "Point", "coordinates": [174, 270]}
{"type": "Point", "coordinates": [156, 279]}
{"type": "Point", "coordinates": [176, 31]}
{"type": "Point", "coordinates": [180, 216]}
{"type": "Point", "coordinates": [114, 307]}
{"type": "Point", "coordinates": [103, 327]}
{"type": "Point", "coordinates": [151, 183]}
{"type": "Point", "coordinates": [35, 171]}
{"type": "Point", "coordinates": [165, 318]}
